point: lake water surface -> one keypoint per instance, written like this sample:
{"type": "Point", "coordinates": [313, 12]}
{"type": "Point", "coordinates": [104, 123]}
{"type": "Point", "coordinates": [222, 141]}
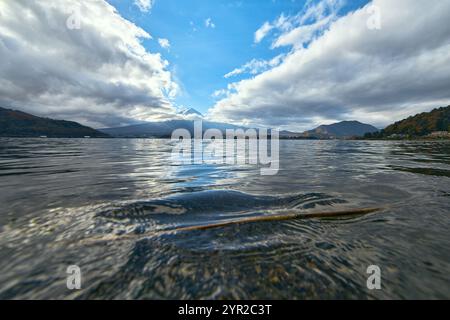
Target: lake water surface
{"type": "Point", "coordinates": [110, 206]}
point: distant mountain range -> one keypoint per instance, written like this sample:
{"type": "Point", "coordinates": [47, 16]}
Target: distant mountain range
{"type": "Point", "coordinates": [163, 129]}
{"type": "Point", "coordinates": [341, 130]}
{"type": "Point", "coordinates": [346, 129]}
{"type": "Point", "coordinates": [420, 125]}
{"type": "Point", "coordinates": [15, 123]}
{"type": "Point", "coordinates": [20, 124]}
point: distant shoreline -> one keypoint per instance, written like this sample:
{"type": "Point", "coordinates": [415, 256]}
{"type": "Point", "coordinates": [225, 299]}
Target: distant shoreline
{"type": "Point", "coordinates": [283, 139]}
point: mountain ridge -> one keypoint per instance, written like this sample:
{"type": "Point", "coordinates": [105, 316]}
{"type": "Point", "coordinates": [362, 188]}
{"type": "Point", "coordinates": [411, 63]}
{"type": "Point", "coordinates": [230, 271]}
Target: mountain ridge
{"type": "Point", "coordinates": [15, 123]}
{"type": "Point", "coordinates": [345, 129]}
{"type": "Point", "coordinates": [419, 125]}
{"type": "Point", "coordinates": [341, 130]}
{"type": "Point", "coordinates": [164, 129]}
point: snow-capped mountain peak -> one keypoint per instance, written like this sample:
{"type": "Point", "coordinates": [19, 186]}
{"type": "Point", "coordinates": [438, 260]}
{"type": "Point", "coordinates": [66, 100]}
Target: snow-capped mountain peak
{"type": "Point", "coordinates": [190, 114]}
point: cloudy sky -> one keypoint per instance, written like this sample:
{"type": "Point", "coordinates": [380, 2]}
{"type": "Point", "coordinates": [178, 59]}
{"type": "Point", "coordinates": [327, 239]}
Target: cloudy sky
{"type": "Point", "coordinates": [290, 64]}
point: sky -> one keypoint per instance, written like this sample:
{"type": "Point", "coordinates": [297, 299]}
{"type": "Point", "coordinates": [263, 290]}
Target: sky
{"type": "Point", "coordinates": [210, 39]}
{"type": "Point", "coordinates": [286, 64]}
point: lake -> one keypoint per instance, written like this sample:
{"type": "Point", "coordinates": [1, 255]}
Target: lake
{"type": "Point", "coordinates": [113, 208]}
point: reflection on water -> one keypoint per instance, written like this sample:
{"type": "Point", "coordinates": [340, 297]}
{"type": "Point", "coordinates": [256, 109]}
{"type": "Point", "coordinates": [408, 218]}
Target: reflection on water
{"type": "Point", "coordinates": [56, 195]}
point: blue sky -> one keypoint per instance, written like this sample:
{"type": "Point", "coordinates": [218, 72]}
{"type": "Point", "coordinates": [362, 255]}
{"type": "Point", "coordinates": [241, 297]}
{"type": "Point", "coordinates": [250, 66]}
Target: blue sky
{"type": "Point", "coordinates": [199, 55]}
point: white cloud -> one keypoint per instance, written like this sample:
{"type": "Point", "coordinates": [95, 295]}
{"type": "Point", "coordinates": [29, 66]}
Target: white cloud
{"type": "Point", "coordinates": [144, 5]}
{"type": "Point", "coordinates": [219, 93]}
{"type": "Point", "coordinates": [164, 43]}
{"type": "Point", "coordinates": [302, 28]}
{"type": "Point", "coordinates": [261, 33]}
{"type": "Point", "coordinates": [351, 72]}
{"type": "Point", "coordinates": [100, 75]}
{"type": "Point", "coordinates": [209, 23]}
{"type": "Point", "coordinates": [256, 66]}
{"type": "Point", "coordinates": [303, 34]}
{"type": "Point", "coordinates": [318, 10]}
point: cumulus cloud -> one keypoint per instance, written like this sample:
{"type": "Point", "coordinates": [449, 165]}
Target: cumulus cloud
{"type": "Point", "coordinates": [99, 74]}
{"type": "Point", "coordinates": [164, 43]}
{"type": "Point", "coordinates": [351, 71]}
{"type": "Point", "coordinates": [144, 5]}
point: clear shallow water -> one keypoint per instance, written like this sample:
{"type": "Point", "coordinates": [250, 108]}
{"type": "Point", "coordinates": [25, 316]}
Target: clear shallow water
{"type": "Point", "coordinates": [105, 205]}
